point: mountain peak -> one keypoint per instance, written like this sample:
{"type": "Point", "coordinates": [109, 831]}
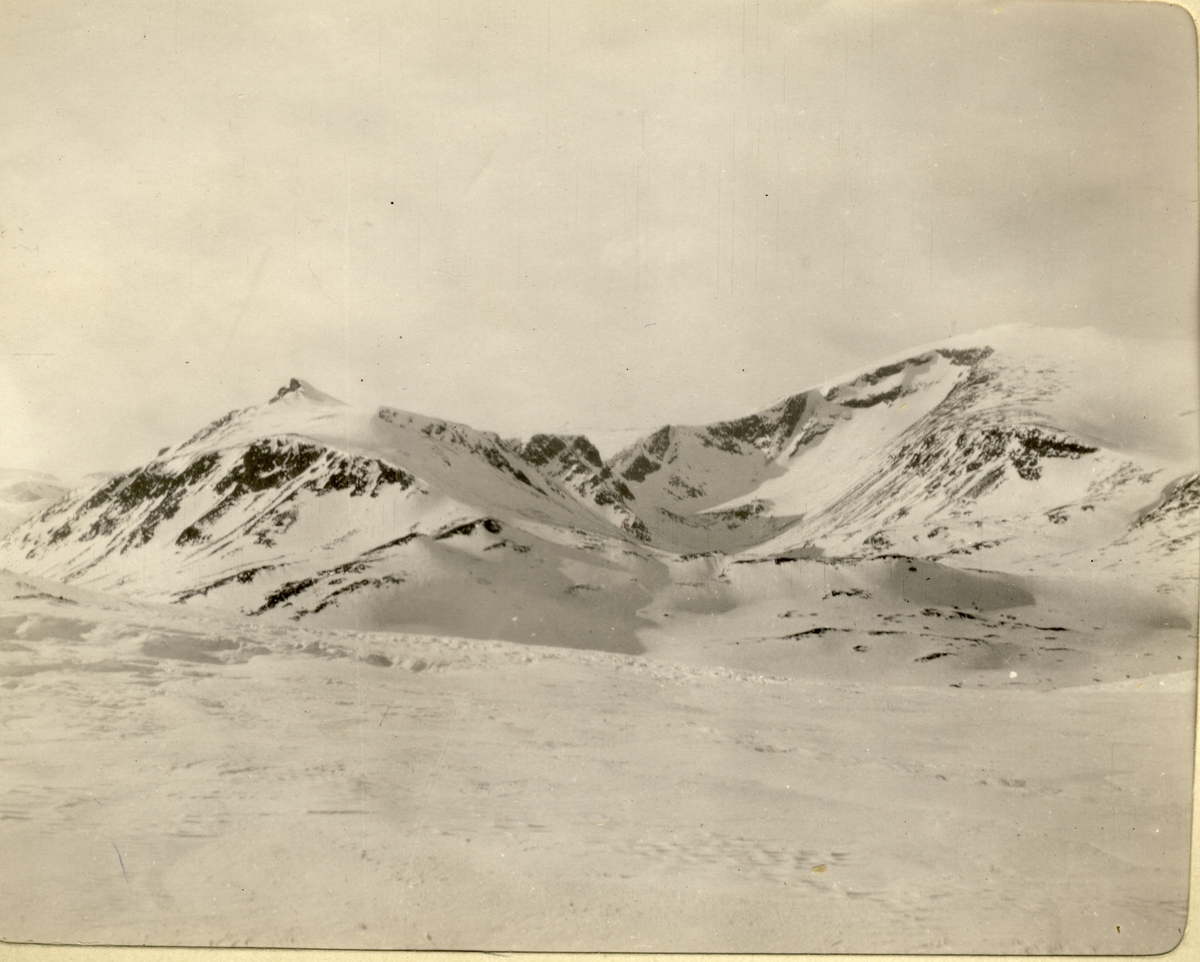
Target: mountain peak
{"type": "Point", "coordinates": [305, 390]}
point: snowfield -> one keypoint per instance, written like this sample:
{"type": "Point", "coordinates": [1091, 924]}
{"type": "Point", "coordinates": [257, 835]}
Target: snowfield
{"type": "Point", "coordinates": [904, 662]}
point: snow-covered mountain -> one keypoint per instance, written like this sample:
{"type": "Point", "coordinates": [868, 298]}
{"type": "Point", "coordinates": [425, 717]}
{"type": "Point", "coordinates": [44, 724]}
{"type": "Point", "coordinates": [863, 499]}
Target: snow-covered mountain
{"type": "Point", "coordinates": [574, 462]}
{"type": "Point", "coordinates": [24, 494]}
{"type": "Point", "coordinates": [1025, 447]}
{"type": "Point", "coordinates": [1017, 449]}
{"type": "Point", "coordinates": [305, 507]}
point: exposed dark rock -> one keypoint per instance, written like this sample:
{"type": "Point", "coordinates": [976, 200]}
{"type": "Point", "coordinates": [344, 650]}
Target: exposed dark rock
{"type": "Point", "coordinates": [881, 398]}
{"type": "Point", "coordinates": [293, 386]}
{"type": "Point", "coordinates": [289, 590]}
{"type": "Point", "coordinates": [965, 357]}
{"type": "Point", "coordinates": [641, 468]}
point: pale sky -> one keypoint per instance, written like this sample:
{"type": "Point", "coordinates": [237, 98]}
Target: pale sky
{"type": "Point", "coordinates": [610, 214]}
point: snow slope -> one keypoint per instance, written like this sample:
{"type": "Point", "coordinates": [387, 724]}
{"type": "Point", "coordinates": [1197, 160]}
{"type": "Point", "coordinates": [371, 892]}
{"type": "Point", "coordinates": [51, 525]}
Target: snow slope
{"type": "Point", "coordinates": [173, 776]}
{"type": "Point", "coordinates": [1023, 445]}
{"type": "Point", "coordinates": [1016, 449]}
{"type": "Point", "coordinates": [305, 507]}
{"type": "Point", "coordinates": [26, 493]}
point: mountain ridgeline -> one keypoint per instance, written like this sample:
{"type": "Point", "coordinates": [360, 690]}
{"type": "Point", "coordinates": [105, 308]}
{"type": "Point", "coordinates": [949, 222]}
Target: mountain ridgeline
{"type": "Point", "coordinates": [976, 451]}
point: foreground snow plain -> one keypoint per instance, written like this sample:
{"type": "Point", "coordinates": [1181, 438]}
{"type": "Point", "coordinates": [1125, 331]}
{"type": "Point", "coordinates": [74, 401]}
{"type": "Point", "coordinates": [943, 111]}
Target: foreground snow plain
{"type": "Point", "coordinates": [180, 780]}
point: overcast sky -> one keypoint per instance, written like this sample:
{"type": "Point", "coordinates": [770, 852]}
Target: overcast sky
{"type": "Point", "coordinates": [562, 216]}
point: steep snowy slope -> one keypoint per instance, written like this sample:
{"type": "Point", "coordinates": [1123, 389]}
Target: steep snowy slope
{"type": "Point", "coordinates": [574, 462]}
{"type": "Point", "coordinates": [1033, 442]}
{"type": "Point", "coordinates": [678, 472]}
{"type": "Point", "coordinates": [1158, 547]}
{"type": "Point", "coordinates": [304, 506]}
{"type": "Point", "coordinates": [1009, 451]}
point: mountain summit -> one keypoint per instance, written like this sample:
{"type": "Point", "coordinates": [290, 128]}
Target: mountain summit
{"type": "Point", "coordinates": [304, 390]}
